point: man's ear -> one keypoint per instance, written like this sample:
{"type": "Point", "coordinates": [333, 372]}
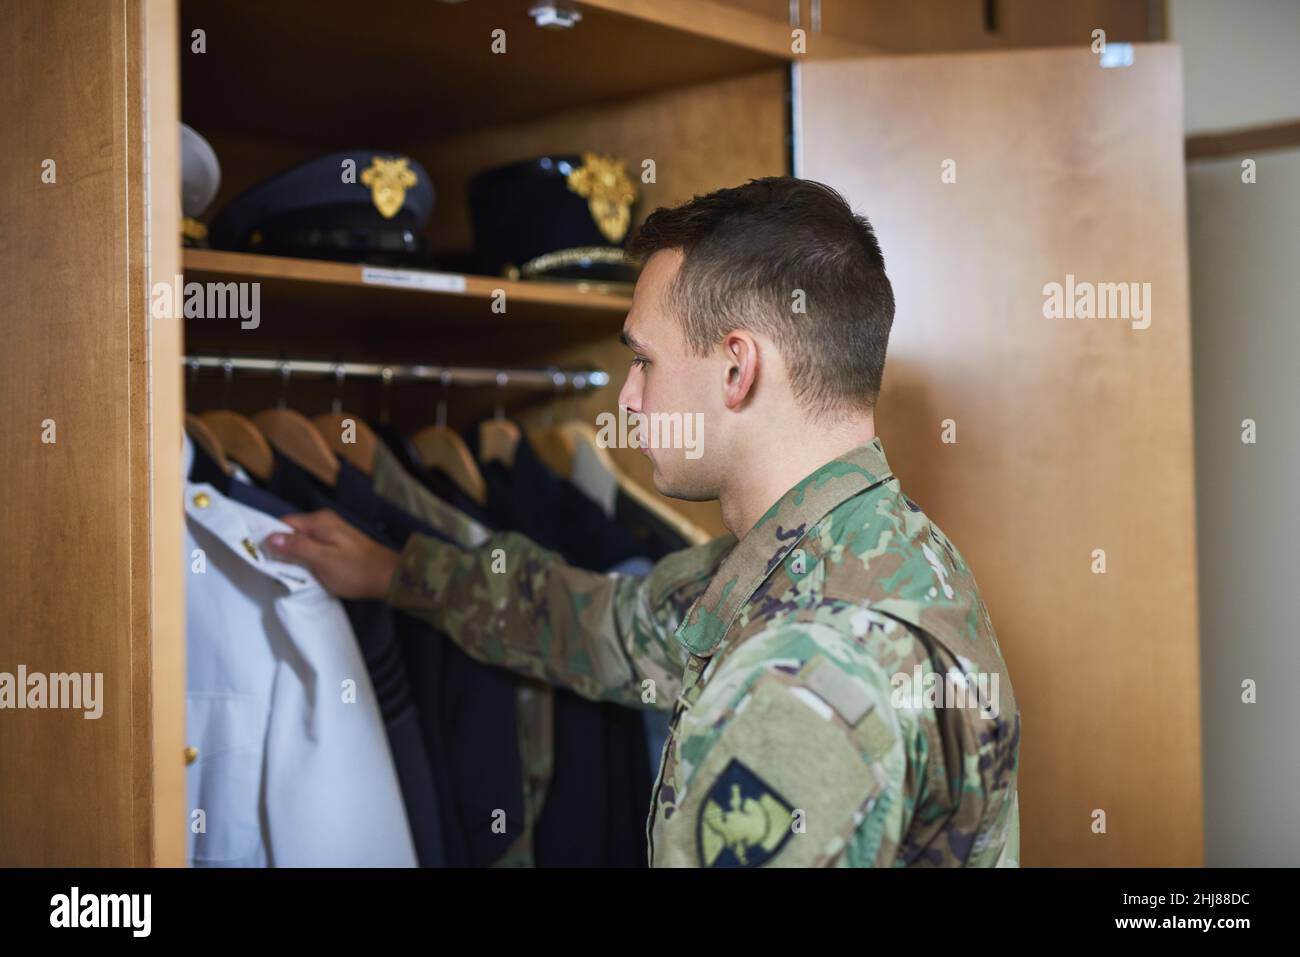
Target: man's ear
{"type": "Point", "coordinates": [740, 350]}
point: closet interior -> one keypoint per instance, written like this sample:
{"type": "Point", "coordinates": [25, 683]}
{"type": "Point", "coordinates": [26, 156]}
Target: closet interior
{"type": "Point", "coordinates": [281, 84]}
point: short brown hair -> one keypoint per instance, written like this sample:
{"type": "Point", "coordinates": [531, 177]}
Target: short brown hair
{"type": "Point", "coordinates": [748, 249]}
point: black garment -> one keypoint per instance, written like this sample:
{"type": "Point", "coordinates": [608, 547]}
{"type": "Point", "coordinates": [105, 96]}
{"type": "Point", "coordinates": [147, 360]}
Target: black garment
{"type": "Point", "coordinates": [578, 528]}
{"type": "Point", "coordinates": [480, 731]}
{"type": "Point", "coordinates": [466, 709]}
{"type": "Point", "coordinates": [528, 497]}
{"type": "Point", "coordinates": [373, 624]}
{"type": "Point", "coordinates": [654, 537]}
{"type": "Point", "coordinates": [595, 809]}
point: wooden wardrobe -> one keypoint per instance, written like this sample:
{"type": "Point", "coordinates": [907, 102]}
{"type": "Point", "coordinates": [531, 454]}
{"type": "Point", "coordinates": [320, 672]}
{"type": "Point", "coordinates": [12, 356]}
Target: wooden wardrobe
{"type": "Point", "coordinates": [1071, 436]}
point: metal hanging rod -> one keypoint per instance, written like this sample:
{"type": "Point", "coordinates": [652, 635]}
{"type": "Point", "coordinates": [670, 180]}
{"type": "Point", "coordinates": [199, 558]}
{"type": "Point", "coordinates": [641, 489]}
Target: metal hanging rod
{"type": "Point", "coordinates": [554, 379]}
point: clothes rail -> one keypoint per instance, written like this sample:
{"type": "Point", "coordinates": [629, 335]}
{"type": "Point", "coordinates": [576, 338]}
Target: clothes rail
{"type": "Point", "coordinates": [553, 379]}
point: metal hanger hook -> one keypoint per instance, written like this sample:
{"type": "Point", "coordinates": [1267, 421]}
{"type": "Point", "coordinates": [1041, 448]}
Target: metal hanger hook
{"type": "Point", "coordinates": [557, 381]}
{"type": "Point", "coordinates": [503, 380]}
{"type": "Point", "coordinates": [440, 416]}
{"type": "Point", "coordinates": [386, 393]}
{"type": "Point", "coordinates": [228, 374]}
{"type": "Point", "coordinates": [286, 370]}
{"type": "Point", "coordinates": [340, 373]}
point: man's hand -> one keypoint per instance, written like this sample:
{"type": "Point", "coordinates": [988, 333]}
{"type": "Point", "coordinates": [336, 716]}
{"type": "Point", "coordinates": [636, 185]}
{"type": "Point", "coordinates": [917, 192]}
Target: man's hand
{"type": "Point", "coordinates": [347, 562]}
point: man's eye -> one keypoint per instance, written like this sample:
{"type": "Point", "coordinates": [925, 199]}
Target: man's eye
{"type": "Point", "coordinates": [640, 361]}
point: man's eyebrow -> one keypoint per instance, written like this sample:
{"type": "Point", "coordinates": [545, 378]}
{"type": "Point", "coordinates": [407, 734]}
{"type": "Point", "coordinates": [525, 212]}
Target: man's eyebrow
{"type": "Point", "coordinates": [630, 341]}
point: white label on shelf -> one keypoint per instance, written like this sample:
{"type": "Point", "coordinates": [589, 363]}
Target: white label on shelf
{"type": "Point", "coordinates": [413, 279]}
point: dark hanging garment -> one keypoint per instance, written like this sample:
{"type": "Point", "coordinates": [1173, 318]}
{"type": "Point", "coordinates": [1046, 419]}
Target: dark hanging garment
{"type": "Point", "coordinates": [466, 709]}
{"type": "Point", "coordinates": [478, 706]}
{"type": "Point", "coordinates": [529, 498]}
{"type": "Point", "coordinates": [595, 807]}
{"type": "Point", "coordinates": [373, 624]}
{"type": "Point", "coordinates": [596, 797]}
{"type": "Point", "coordinates": [654, 537]}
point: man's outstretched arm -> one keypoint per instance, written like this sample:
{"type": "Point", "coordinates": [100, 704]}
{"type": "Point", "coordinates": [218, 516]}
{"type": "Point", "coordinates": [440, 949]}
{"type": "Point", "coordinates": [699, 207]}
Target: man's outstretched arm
{"type": "Point", "coordinates": [512, 603]}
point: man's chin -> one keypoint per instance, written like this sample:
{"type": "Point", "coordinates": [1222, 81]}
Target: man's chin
{"type": "Point", "coordinates": [661, 486]}
{"type": "Point", "coordinates": [678, 490]}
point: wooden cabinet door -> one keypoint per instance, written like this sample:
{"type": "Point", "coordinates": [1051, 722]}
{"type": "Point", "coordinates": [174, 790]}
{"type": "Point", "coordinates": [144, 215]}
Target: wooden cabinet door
{"type": "Point", "coordinates": [1056, 452]}
{"type": "Point", "coordinates": [90, 518]}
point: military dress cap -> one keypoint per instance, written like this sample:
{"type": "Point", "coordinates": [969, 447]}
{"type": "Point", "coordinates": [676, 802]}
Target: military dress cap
{"type": "Point", "coordinates": [200, 173]}
{"type": "Point", "coordinates": [555, 217]}
{"type": "Point", "coordinates": [200, 181]}
{"type": "Point", "coordinates": [356, 205]}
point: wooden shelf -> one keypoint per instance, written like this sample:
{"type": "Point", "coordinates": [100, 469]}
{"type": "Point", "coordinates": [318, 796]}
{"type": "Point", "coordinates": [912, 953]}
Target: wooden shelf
{"type": "Point", "coordinates": [577, 296]}
{"type": "Point", "coordinates": [315, 308]}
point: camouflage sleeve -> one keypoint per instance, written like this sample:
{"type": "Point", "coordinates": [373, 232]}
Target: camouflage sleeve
{"type": "Point", "coordinates": [394, 484]}
{"type": "Point", "coordinates": [791, 757]}
{"type": "Point", "coordinates": [512, 603]}
{"type": "Point", "coordinates": [1008, 853]}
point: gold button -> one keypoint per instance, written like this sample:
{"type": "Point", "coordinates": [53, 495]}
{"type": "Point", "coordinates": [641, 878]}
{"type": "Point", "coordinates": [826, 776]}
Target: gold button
{"type": "Point", "coordinates": [202, 500]}
{"type": "Point", "coordinates": [251, 548]}
{"type": "Point", "coordinates": [191, 754]}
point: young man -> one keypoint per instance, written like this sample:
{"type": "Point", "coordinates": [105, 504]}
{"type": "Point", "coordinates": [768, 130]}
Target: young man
{"type": "Point", "coordinates": [838, 694]}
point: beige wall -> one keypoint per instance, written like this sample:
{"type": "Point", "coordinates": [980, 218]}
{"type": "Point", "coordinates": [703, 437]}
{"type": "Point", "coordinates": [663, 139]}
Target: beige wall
{"type": "Point", "coordinates": [1241, 61]}
{"type": "Point", "coordinates": [1241, 70]}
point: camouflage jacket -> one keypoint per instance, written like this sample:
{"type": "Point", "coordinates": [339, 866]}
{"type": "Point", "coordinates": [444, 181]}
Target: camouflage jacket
{"type": "Point", "coordinates": [393, 483]}
{"type": "Point", "coordinates": [838, 695]}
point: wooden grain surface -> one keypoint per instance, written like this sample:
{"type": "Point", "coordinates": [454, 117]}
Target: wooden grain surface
{"type": "Point", "coordinates": [84, 589]}
{"type": "Point", "coordinates": [1072, 435]}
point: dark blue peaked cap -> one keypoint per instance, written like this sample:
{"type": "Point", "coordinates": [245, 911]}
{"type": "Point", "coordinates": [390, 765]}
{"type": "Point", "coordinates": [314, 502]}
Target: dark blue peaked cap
{"type": "Point", "coordinates": [319, 185]}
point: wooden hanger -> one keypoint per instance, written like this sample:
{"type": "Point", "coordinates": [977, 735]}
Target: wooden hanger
{"type": "Point", "coordinates": [359, 453]}
{"type": "Point", "coordinates": [441, 448]}
{"type": "Point", "coordinates": [297, 440]}
{"type": "Point", "coordinates": [553, 448]}
{"type": "Point", "coordinates": [498, 440]}
{"type": "Point", "coordinates": [577, 431]}
{"type": "Point", "coordinates": [206, 439]}
{"type": "Point", "coordinates": [241, 441]}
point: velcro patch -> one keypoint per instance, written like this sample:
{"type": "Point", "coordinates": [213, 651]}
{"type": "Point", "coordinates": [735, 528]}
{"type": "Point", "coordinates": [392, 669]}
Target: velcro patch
{"type": "Point", "coordinates": [875, 735]}
{"type": "Point", "coordinates": [850, 698]}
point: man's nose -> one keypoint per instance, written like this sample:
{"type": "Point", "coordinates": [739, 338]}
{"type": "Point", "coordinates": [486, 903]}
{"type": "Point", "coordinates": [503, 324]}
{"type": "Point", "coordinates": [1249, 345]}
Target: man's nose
{"type": "Point", "coordinates": [630, 395]}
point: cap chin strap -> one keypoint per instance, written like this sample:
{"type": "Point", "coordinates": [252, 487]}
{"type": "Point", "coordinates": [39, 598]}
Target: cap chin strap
{"type": "Point", "coordinates": [561, 258]}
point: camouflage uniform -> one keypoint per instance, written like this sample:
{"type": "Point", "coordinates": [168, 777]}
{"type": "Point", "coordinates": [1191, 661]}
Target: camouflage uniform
{"type": "Point", "coordinates": [394, 483]}
{"type": "Point", "coordinates": [790, 661]}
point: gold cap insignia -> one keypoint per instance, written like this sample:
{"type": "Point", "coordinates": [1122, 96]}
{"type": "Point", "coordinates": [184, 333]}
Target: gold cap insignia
{"type": "Point", "coordinates": [388, 179]}
{"type": "Point", "coordinates": [191, 228]}
{"type": "Point", "coordinates": [603, 182]}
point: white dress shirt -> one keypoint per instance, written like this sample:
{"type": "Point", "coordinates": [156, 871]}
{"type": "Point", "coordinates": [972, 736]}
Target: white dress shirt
{"type": "Point", "coordinates": [293, 767]}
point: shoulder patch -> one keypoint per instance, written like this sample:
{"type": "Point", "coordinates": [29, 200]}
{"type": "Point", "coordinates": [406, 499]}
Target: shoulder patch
{"type": "Point", "coordinates": [777, 780]}
{"type": "Point", "coordinates": [743, 821]}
